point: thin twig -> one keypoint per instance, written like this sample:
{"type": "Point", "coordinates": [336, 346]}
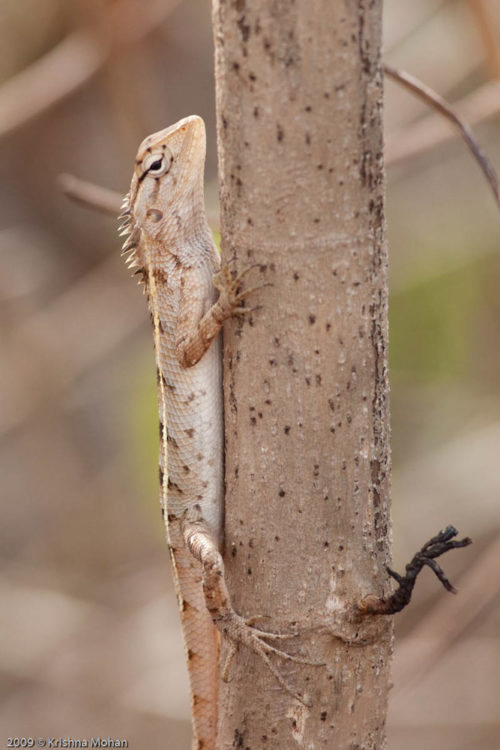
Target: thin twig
{"type": "Point", "coordinates": [435, 100]}
{"type": "Point", "coordinates": [104, 200]}
{"type": "Point", "coordinates": [435, 547]}
{"type": "Point", "coordinates": [90, 195]}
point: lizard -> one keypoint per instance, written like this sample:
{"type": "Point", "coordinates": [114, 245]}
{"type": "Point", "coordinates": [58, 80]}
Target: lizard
{"type": "Point", "coordinates": [190, 294]}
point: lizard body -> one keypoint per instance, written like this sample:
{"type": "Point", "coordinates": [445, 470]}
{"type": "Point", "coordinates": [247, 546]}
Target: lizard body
{"type": "Point", "coordinates": [172, 249]}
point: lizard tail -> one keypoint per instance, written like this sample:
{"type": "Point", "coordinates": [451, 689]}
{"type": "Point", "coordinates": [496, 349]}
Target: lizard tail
{"type": "Point", "coordinates": [201, 644]}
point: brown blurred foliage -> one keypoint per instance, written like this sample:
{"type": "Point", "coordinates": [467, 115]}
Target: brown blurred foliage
{"type": "Point", "coordinates": [90, 633]}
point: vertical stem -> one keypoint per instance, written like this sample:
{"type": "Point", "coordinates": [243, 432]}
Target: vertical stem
{"type": "Point", "coordinates": [299, 106]}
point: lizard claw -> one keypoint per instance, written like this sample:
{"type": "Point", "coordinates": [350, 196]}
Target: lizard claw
{"type": "Point", "coordinates": [230, 295]}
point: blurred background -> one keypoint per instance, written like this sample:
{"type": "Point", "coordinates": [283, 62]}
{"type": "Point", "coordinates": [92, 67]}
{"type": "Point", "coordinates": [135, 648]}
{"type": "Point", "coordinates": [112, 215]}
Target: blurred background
{"type": "Point", "coordinates": [90, 636]}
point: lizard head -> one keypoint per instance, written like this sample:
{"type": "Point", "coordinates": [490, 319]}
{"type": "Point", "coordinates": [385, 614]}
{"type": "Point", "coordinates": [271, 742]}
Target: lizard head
{"type": "Point", "coordinates": [167, 183]}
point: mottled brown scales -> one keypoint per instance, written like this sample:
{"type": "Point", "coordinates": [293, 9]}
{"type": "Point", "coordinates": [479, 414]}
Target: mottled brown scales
{"type": "Point", "coordinates": [189, 296]}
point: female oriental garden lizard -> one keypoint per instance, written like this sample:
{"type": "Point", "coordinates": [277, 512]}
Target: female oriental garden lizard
{"type": "Point", "coordinates": [171, 248]}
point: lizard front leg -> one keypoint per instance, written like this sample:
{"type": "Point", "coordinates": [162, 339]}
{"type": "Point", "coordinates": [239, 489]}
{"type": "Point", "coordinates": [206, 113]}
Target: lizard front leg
{"type": "Point", "coordinates": [192, 342]}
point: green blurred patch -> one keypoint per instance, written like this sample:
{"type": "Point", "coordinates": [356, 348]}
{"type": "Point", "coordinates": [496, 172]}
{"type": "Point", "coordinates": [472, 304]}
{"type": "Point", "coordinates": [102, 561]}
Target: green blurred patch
{"type": "Point", "coordinates": [432, 324]}
{"type": "Point", "coordinates": [143, 429]}
{"type": "Point", "coordinates": [217, 238]}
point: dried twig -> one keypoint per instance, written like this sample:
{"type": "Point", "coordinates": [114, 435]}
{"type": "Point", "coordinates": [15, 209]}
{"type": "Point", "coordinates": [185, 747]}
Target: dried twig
{"type": "Point", "coordinates": [435, 547]}
{"type": "Point", "coordinates": [74, 61]}
{"type": "Point", "coordinates": [436, 101]}
{"type": "Point", "coordinates": [90, 195]}
{"type": "Point", "coordinates": [450, 620]}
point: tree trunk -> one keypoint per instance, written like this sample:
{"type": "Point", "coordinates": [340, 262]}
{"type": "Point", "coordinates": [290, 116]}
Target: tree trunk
{"type": "Point", "coordinates": [299, 105]}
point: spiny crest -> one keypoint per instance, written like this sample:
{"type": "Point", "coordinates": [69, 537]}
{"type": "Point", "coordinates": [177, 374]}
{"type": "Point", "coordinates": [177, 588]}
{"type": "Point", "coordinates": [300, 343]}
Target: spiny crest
{"type": "Point", "coordinates": [132, 233]}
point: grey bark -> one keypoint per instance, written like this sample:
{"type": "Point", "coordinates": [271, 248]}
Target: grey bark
{"type": "Point", "coordinates": [299, 107]}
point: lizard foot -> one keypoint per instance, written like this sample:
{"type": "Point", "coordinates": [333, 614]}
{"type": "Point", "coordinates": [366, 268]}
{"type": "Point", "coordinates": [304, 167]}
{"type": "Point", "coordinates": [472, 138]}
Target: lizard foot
{"type": "Point", "coordinates": [239, 630]}
{"type": "Point", "coordinates": [229, 288]}
{"type": "Point", "coordinates": [234, 628]}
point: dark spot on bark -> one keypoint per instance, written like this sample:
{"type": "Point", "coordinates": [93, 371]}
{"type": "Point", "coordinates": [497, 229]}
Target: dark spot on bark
{"type": "Point", "coordinates": [320, 166]}
{"type": "Point", "coordinates": [236, 66]}
{"type": "Point", "coordinates": [244, 28]}
{"type": "Point", "coordinates": [308, 108]}
{"type": "Point", "coordinates": [282, 493]}
{"type": "Point", "coordinates": [318, 379]}
{"type": "Point", "coordinates": [308, 381]}
{"type": "Point", "coordinates": [280, 133]}
{"type": "Point", "coordinates": [255, 112]}
{"type": "Point", "coordinates": [190, 432]}
{"type": "Point", "coordinates": [312, 319]}
{"type": "Point", "coordinates": [308, 139]}
{"type": "Point", "coordinates": [323, 716]}
{"type": "Point", "coordinates": [296, 276]}
{"type": "Point", "coordinates": [186, 469]}
{"type": "Point", "coordinates": [286, 429]}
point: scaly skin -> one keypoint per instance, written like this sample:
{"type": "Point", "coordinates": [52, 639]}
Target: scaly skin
{"type": "Point", "coordinates": [172, 249]}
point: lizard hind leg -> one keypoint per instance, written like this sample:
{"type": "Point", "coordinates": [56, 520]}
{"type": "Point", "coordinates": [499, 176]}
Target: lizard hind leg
{"type": "Point", "coordinates": [236, 629]}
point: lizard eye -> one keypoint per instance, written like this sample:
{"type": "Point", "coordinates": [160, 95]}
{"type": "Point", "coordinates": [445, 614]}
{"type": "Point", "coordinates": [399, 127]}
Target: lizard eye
{"type": "Point", "coordinates": [157, 164]}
